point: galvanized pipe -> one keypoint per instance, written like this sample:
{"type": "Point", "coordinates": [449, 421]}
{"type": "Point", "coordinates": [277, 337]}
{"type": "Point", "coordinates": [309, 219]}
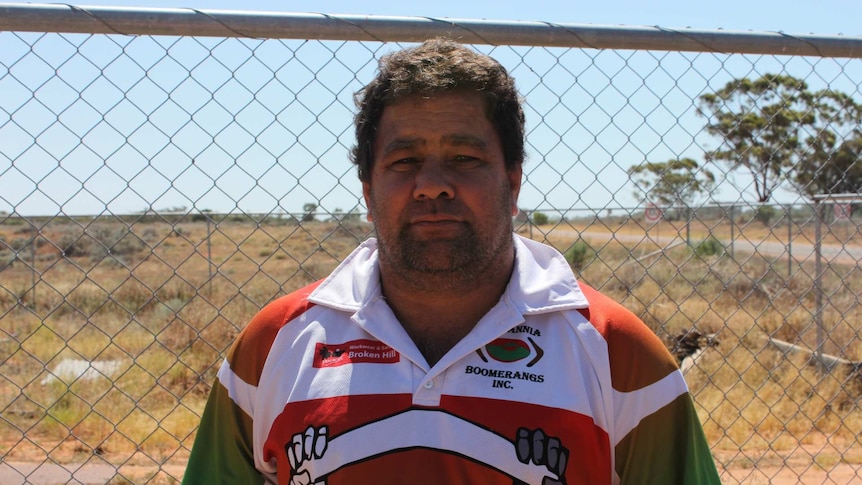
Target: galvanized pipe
{"type": "Point", "coordinates": [284, 25]}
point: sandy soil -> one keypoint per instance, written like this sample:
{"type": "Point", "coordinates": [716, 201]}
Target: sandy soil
{"type": "Point", "coordinates": [14, 473]}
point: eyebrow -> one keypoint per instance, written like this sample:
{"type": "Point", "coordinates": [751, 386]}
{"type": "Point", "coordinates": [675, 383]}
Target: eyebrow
{"type": "Point", "coordinates": [454, 140]}
{"type": "Point", "coordinates": [402, 144]}
{"type": "Point", "coordinates": [465, 140]}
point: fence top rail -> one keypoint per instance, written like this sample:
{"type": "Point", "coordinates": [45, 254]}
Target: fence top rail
{"type": "Point", "coordinates": [286, 25]}
{"type": "Point", "coordinates": [838, 197]}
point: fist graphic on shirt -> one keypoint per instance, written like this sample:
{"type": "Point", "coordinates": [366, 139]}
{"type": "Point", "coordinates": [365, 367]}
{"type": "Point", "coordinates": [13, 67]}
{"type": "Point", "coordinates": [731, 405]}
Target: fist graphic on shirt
{"type": "Point", "coordinates": [537, 447]}
{"type": "Point", "coordinates": [306, 446]}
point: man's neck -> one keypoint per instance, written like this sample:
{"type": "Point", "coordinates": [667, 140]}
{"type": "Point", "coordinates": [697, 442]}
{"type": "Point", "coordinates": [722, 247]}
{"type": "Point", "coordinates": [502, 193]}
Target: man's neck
{"type": "Point", "coordinates": [437, 319]}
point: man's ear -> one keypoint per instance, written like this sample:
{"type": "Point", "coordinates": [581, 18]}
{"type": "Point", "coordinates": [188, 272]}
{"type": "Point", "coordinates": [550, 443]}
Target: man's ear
{"type": "Point", "coordinates": [366, 194]}
{"type": "Point", "coordinates": [515, 186]}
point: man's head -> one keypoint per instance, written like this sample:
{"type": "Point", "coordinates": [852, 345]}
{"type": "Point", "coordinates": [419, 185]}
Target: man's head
{"type": "Point", "coordinates": [435, 67]}
{"type": "Point", "coordinates": [440, 145]}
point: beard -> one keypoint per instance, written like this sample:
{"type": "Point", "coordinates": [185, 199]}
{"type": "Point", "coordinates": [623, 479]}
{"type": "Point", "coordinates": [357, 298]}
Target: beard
{"type": "Point", "coordinates": [453, 262]}
{"type": "Point", "coordinates": [459, 254]}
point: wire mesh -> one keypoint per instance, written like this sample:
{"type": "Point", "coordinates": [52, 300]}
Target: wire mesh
{"type": "Point", "coordinates": [157, 190]}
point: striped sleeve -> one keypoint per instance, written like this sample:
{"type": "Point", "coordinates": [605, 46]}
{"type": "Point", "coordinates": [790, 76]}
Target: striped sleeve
{"type": "Point", "coordinates": [223, 448]}
{"type": "Point", "coordinates": [222, 452]}
{"type": "Point", "coordinates": [659, 438]}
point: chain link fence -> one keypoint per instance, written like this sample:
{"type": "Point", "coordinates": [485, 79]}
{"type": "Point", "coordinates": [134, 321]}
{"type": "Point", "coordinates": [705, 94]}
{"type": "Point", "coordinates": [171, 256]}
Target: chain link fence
{"type": "Point", "coordinates": [164, 174]}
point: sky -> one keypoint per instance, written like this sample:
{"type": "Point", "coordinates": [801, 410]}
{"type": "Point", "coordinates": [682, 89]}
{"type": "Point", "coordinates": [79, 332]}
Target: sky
{"type": "Point", "coordinates": [827, 17]}
{"type": "Point", "coordinates": [58, 156]}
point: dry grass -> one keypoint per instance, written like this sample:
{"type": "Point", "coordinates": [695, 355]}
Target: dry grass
{"type": "Point", "coordinates": [165, 300]}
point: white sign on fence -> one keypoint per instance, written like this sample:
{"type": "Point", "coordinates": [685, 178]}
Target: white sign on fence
{"type": "Point", "coordinates": [842, 211]}
{"type": "Point", "coordinates": [652, 213]}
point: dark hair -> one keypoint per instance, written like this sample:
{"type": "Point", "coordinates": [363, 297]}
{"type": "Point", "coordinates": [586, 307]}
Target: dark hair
{"type": "Point", "coordinates": [439, 65]}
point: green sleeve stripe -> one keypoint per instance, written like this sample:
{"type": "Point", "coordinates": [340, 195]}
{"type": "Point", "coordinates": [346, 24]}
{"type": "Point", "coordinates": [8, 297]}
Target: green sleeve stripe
{"type": "Point", "coordinates": [222, 452]}
{"type": "Point", "coordinates": [667, 447]}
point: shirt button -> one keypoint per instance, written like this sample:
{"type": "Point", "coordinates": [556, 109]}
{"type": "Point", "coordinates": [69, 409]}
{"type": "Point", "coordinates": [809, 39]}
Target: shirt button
{"type": "Point", "coordinates": [429, 384]}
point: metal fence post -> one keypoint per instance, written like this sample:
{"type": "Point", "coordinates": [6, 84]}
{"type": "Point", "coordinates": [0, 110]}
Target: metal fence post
{"type": "Point", "coordinates": [209, 251]}
{"type": "Point", "coordinates": [788, 211]}
{"type": "Point", "coordinates": [688, 226]}
{"type": "Point", "coordinates": [732, 222]}
{"type": "Point", "coordinates": [818, 283]}
{"type": "Point", "coordinates": [33, 265]}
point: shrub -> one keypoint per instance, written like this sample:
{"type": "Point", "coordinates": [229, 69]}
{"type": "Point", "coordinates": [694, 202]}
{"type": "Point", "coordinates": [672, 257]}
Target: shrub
{"type": "Point", "coordinates": [19, 243]}
{"type": "Point", "coordinates": [579, 254]}
{"type": "Point", "coordinates": [540, 218]}
{"type": "Point", "coordinates": [709, 247]}
{"type": "Point", "coordinates": [149, 235]}
{"type": "Point", "coordinates": [765, 214]}
{"type": "Point", "coordinates": [98, 241]}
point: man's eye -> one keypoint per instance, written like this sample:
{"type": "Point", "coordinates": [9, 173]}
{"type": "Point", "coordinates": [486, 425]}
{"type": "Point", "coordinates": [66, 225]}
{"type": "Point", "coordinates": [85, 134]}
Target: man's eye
{"type": "Point", "coordinates": [404, 163]}
{"type": "Point", "coordinates": [466, 160]}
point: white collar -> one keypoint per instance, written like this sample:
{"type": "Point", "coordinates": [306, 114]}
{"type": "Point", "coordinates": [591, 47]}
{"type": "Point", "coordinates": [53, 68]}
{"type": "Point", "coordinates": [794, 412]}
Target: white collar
{"type": "Point", "coordinates": [542, 281]}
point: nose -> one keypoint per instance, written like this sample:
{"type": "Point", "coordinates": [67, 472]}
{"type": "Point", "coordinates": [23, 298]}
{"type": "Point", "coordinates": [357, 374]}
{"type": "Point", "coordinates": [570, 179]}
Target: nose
{"type": "Point", "coordinates": [433, 181]}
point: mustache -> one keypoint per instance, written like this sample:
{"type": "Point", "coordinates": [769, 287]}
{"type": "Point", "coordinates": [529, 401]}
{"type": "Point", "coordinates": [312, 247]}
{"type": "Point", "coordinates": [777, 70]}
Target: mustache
{"type": "Point", "coordinates": [434, 211]}
{"type": "Point", "coordinates": [436, 207]}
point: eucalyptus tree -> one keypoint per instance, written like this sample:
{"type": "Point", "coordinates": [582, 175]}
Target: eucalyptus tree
{"type": "Point", "coordinates": [779, 131]}
{"type": "Point", "coordinates": [674, 183]}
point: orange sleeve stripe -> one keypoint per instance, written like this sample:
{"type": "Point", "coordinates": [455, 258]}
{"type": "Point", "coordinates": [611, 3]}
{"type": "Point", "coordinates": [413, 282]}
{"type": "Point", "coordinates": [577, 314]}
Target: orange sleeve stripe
{"type": "Point", "coordinates": [248, 354]}
{"type": "Point", "coordinates": [637, 356]}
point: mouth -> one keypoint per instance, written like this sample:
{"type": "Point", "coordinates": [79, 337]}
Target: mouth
{"type": "Point", "coordinates": [435, 219]}
{"type": "Point", "coordinates": [436, 225]}
{"type": "Point", "coordinates": [433, 214]}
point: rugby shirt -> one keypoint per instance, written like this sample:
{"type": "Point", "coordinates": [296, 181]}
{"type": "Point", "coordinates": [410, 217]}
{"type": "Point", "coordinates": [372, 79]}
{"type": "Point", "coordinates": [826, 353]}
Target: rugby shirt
{"type": "Point", "coordinates": [557, 383]}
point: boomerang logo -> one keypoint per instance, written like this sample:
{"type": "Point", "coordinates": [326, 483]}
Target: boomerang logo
{"type": "Point", "coordinates": [510, 350]}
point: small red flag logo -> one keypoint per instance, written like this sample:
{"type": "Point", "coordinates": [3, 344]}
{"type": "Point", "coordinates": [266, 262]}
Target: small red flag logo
{"type": "Point", "coordinates": [354, 352]}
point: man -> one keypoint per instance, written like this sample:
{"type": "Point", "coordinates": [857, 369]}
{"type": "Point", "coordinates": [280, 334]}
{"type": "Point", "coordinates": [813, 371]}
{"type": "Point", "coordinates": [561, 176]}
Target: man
{"type": "Point", "coordinates": [447, 350]}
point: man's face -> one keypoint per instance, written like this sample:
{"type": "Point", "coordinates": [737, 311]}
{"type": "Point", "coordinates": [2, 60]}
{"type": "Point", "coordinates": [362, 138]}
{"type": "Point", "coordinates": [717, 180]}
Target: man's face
{"type": "Point", "coordinates": [439, 194]}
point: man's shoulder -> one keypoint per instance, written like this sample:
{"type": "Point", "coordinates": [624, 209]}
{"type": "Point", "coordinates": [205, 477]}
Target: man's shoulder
{"type": "Point", "coordinates": [252, 346]}
{"type": "Point", "coordinates": [607, 314]}
{"type": "Point", "coordinates": [637, 355]}
{"type": "Point", "coordinates": [286, 307]}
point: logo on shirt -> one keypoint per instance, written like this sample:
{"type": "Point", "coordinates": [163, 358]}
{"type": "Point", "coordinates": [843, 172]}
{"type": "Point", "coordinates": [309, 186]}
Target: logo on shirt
{"type": "Point", "coordinates": [531, 456]}
{"type": "Point", "coordinates": [354, 352]}
{"type": "Point", "coordinates": [510, 350]}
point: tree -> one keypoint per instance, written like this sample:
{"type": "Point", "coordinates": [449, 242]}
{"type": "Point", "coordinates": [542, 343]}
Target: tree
{"type": "Point", "coordinates": [308, 208]}
{"type": "Point", "coordinates": [340, 216]}
{"type": "Point", "coordinates": [676, 182]}
{"type": "Point", "coordinates": [836, 172]}
{"type": "Point", "coordinates": [831, 161]}
{"type": "Point", "coordinates": [759, 122]}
